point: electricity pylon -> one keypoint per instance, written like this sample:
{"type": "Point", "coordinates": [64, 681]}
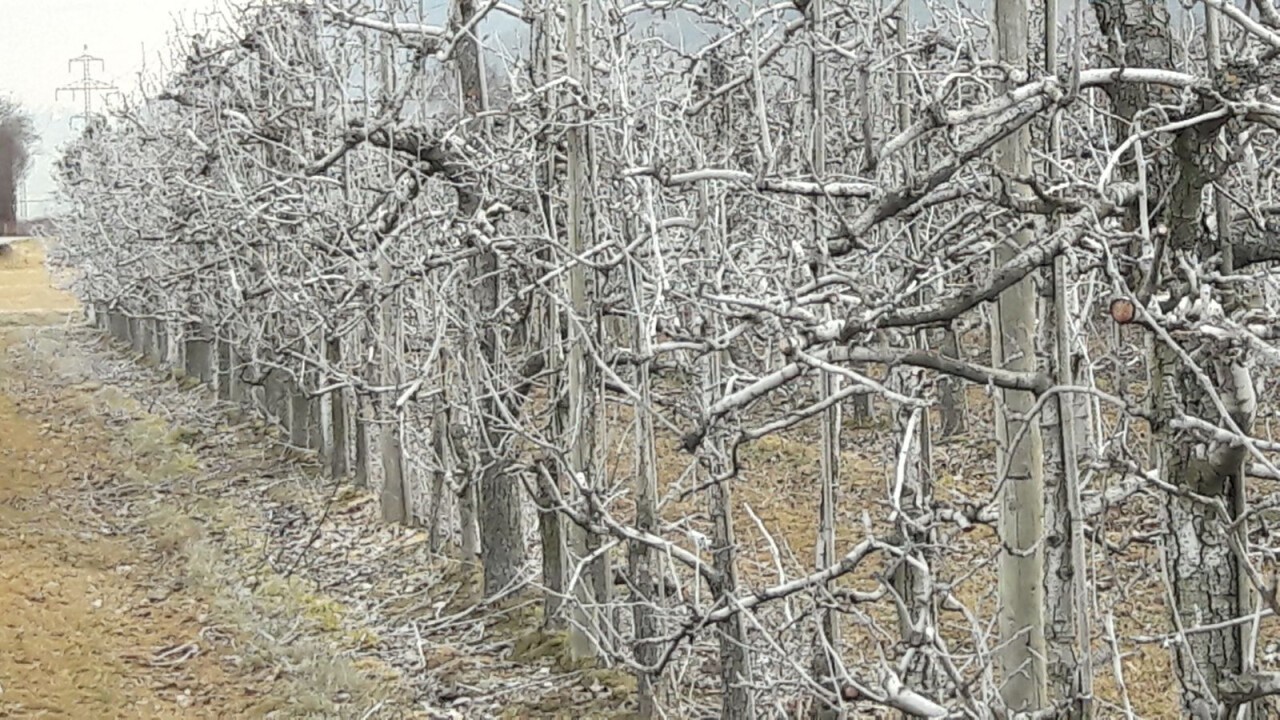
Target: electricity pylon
{"type": "Point", "coordinates": [87, 85]}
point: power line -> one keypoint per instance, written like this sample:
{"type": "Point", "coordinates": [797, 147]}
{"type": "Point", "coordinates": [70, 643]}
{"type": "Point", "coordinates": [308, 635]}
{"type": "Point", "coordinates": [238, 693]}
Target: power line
{"type": "Point", "coordinates": [87, 85]}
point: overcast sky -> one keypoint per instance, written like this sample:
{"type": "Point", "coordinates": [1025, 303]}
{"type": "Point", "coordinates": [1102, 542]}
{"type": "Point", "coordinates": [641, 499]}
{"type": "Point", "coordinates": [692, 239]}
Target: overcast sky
{"type": "Point", "coordinates": [38, 37]}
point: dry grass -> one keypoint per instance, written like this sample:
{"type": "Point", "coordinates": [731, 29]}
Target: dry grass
{"type": "Point", "coordinates": [116, 600]}
{"type": "Point", "coordinates": [27, 295]}
{"type": "Point", "coordinates": [286, 640]}
{"type": "Point", "coordinates": [79, 622]}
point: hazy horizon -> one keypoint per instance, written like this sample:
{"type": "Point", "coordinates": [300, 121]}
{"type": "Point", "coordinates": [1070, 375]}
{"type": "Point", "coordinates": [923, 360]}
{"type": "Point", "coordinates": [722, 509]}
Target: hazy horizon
{"type": "Point", "coordinates": [38, 38]}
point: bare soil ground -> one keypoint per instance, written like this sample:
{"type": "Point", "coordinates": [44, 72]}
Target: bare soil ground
{"type": "Point", "coordinates": [113, 604]}
{"type": "Point", "coordinates": [83, 636]}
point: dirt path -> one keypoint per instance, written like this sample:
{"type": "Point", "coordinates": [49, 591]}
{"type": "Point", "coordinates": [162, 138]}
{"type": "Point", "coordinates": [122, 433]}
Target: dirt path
{"type": "Point", "coordinates": [82, 637]}
{"type": "Point", "coordinates": [165, 556]}
{"type": "Point", "coordinates": [92, 624]}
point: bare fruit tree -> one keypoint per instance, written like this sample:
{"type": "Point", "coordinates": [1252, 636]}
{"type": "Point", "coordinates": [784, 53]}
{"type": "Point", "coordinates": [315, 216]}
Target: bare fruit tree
{"type": "Point", "coordinates": [848, 357]}
{"type": "Point", "coordinates": [16, 139]}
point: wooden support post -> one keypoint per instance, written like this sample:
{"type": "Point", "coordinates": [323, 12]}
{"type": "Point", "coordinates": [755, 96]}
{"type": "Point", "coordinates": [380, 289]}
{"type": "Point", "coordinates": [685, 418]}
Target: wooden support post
{"type": "Point", "coordinates": [299, 416]}
{"type": "Point", "coordinates": [337, 416]}
{"type": "Point", "coordinates": [198, 363]}
{"type": "Point", "coordinates": [224, 378]}
{"type": "Point", "coordinates": [118, 325]}
{"type": "Point", "coordinates": [137, 337]}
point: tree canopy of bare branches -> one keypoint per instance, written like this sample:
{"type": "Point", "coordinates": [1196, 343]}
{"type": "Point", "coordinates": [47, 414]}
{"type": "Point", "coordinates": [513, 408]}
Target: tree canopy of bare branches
{"type": "Point", "coordinates": [608, 294]}
{"type": "Point", "coordinates": [17, 135]}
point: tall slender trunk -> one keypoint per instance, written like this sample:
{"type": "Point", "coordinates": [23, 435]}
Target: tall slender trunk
{"type": "Point", "coordinates": [1021, 567]}
{"type": "Point", "coordinates": [441, 418]}
{"type": "Point", "coordinates": [395, 495]}
{"type": "Point", "coordinates": [395, 492]}
{"type": "Point", "coordinates": [827, 638]}
{"type": "Point", "coordinates": [593, 591]}
{"type": "Point", "coordinates": [500, 517]}
{"type": "Point", "coordinates": [443, 464]}
{"type": "Point", "coordinates": [468, 512]}
{"type": "Point", "coordinates": [364, 412]}
{"type": "Point", "coordinates": [736, 699]}
{"type": "Point", "coordinates": [647, 588]}
{"type": "Point", "coordinates": [337, 415]}
{"type": "Point", "coordinates": [552, 529]}
{"type": "Point", "coordinates": [550, 486]}
{"type": "Point", "coordinates": [1206, 582]}
{"type": "Point", "coordinates": [1067, 631]}
{"type": "Point", "coordinates": [1069, 663]}
{"type": "Point", "coordinates": [913, 497]}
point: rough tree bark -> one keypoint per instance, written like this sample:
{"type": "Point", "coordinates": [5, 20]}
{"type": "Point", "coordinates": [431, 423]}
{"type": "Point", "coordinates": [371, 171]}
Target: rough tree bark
{"type": "Point", "coordinates": [1069, 663]}
{"type": "Point", "coordinates": [550, 486]}
{"type": "Point", "coordinates": [827, 638]}
{"type": "Point", "coordinates": [913, 440]}
{"type": "Point", "coordinates": [396, 499]}
{"type": "Point", "coordinates": [951, 391]}
{"type": "Point", "coordinates": [337, 414]}
{"type": "Point", "coordinates": [1018, 447]}
{"type": "Point", "coordinates": [736, 699]}
{"type": "Point", "coordinates": [501, 526]}
{"type": "Point", "coordinates": [596, 579]}
{"type": "Point", "coordinates": [1204, 577]}
{"type": "Point", "coordinates": [647, 590]}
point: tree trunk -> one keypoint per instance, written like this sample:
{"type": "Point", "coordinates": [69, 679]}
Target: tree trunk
{"type": "Point", "coordinates": [552, 529]}
{"type": "Point", "coordinates": [1206, 584]}
{"type": "Point", "coordinates": [226, 371]}
{"type": "Point", "coordinates": [361, 476]}
{"type": "Point", "coordinates": [337, 415]}
{"type": "Point", "coordinates": [951, 394]}
{"type": "Point", "coordinates": [736, 699]}
{"type": "Point", "coordinates": [580, 430]}
{"type": "Point", "coordinates": [1018, 451]}
{"type": "Point", "coordinates": [1204, 575]}
{"type": "Point", "coordinates": [913, 497]}
{"type": "Point", "coordinates": [550, 481]}
{"type": "Point", "coordinates": [647, 590]}
{"type": "Point", "coordinates": [467, 506]}
{"type": "Point", "coordinates": [826, 642]}
{"type": "Point", "coordinates": [1069, 663]}
{"type": "Point", "coordinates": [440, 449]}
{"type": "Point", "coordinates": [396, 497]}
{"type": "Point", "coordinates": [1069, 659]}
{"type": "Point", "coordinates": [500, 521]}
{"type": "Point", "coordinates": [913, 500]}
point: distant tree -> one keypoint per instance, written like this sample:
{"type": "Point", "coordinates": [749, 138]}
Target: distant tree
{"type": "Point", "coordinates": [17, 135]}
